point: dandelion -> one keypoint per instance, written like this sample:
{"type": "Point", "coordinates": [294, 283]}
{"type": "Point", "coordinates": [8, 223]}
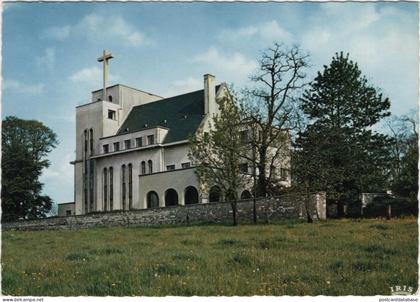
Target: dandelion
{"type": "Point", "coordinates": [328, 282]}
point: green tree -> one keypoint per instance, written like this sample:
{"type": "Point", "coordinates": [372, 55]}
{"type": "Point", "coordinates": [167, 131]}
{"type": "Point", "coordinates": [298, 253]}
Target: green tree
{"type": "Point", "coordinates": [405, 155]}
{"type": "Point", "coordinates": [216, 153]}
{"type": "Point", "coordinates": [25, 146]}
{"type": "Point", "coordinates": [342, 154]}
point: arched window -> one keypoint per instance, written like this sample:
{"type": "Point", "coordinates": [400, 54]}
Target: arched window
{"type": "Point", "coordinates": [152, 200]}
{"type": "Point", "coordinates": [143, 168]}
{"type": "Point", "coordinates": [111, 188]}
{"type": "Point", "coordinates": [123, 187]}
{"type": "Point", "coordinates": [150, 166]}
{"type": "Point", "coordinates": [130, 186]}
{"type": "Point", "coordinates": [246, 195]}
{"type": "Point", "coordinates": [110, 98]}
{"type": "Point", "coordinates": [191, 195]}
{"type": "Point", "coordinates": [171, 197]}
{"type": "Point", "coordinates": [215, 193]}
{"type": "Point", "coordinates": [105, 189]}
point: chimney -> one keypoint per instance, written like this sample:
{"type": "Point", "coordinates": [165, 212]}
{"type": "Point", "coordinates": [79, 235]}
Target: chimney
{"type": "Point", "coordinates": [209, 94]}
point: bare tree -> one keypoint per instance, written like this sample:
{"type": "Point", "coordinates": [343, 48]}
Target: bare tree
{"type": "Point", "coordinates": [268, 106]}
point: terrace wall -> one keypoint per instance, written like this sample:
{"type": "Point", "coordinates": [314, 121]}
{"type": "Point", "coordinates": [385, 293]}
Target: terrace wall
{"type": "Point", "coordinates": [268, 209]}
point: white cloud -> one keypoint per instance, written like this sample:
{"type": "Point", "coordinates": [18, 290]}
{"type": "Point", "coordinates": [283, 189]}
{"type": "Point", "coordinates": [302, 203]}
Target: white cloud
{"type": "Point", "coordinates": [90, 77]}
{"type": "Point", "coordinates": [59, 33]}
{"type": "Point", "coordinates": [19, 87]}
{"type": "Point", "coordinates": [183, 86]}
{"type": "Point", "coordinates": [234, 67]}
{"type": "Point", "coordinates": [47, 59]}
{"type": "Point", "coordinates": [96, 27]}
{"type": "Point", "coordinates": [376, 39]}
{"type": "Point", "coordinates": [59, 175]}
{"type": "Point", "coordinates": [268, 32]}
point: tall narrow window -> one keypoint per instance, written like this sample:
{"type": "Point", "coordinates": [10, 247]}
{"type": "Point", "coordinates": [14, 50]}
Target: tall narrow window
{"type": "Point", "coordinates": [143, 168]}
{"type": "Point", "coordinates": [110, 98]}
{"type": "Point", "coordinates": [124, 189]}
{"type": "Point", "coordinates": [91, 190]}
{"type": "Point", "coordinates": [127, 144]}
{"type": "Point", "coordinates": [150, 166]}
{"type": "Point", "coordinates": [116, 146]}
{"type": "Point", "coordinates": [85, 133]}
{"type": "Point", "coordinates": [105, 189]}
{"type": "Point", "coordinates": [111, 188]}
{"type": "Point", "coordinates": [91, 140]}
{"type": "Point", "coordinates": [130, 186]}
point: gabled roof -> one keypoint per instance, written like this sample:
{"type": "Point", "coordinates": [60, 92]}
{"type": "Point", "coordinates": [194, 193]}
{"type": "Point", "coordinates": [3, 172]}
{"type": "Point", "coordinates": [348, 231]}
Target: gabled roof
{"type": "Point", "coordinates": [183, 115]}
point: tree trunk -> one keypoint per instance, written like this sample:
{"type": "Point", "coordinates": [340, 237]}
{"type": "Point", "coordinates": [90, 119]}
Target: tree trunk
{"type": "Point", "coordinates": [234, 210]}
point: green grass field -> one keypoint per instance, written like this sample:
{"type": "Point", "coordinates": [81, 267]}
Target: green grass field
{"type": "Point", "coordinates": [339, 257]}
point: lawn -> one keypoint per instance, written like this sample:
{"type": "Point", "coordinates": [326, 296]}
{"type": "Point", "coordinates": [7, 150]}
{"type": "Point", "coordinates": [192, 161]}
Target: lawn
{"type": "Point", "coordinates": [336, 257]}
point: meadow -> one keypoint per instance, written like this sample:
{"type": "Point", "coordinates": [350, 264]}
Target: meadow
{"type": "Point", "coordinates": [335, 257]}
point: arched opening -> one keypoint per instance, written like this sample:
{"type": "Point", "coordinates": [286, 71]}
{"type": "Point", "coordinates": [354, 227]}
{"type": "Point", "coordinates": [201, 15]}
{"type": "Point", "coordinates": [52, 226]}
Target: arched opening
{"type": "Point", "coordinates": [152, 200]}
{"type": "Point", "coordinates": [124, 187]}
{"type": "Point", "coordinates": [171, 197]}
{"type": "Point", "coordinates": [191, 195]}
{"type": "Point", "coordinates": [246, 195]}
{"type": "Point", "coordinates": [150, 165]}
{"type": "Point", "coordinates": [143, 167]}
{"type": "Point", "coordinates": [105, 189]}
{"type": "Point", "coordinates": [215, 194]}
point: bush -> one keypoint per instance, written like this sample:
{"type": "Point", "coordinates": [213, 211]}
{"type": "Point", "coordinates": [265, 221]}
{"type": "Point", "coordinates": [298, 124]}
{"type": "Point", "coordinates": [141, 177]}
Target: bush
{"type": "Point", "coordinates": [399, 207]}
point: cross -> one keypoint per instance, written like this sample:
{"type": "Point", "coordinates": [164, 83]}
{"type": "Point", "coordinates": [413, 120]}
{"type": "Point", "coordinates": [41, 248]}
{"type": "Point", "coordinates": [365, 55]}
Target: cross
{"type": "Point", "coordinates": [105, 57]}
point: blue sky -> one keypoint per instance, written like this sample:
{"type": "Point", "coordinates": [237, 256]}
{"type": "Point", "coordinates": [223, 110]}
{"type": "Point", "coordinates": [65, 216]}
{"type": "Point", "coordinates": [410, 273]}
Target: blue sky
{"type": "Point", "coordinates": [50, 50]}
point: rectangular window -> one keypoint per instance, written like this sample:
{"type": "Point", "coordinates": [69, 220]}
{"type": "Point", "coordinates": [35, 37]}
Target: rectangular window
{"type": "Point", "coordinates": [139, 142]}
{"type": "Point", "coordinates": [127, 144]}
{"type": "Point", "coordinates": [106, 148]}
{"type": "Point", "coordinates": [68, 213]}
{"type": "Point", "coordinates": [150, 139]}
{"type": "Point", "coordinates": [112, 114]}
{"type": "Point", "coordinates": [117, 146]}
{"type": "Point", "coordinates": [284, 174]}
{"type": "Point", "coordinates": [185, 165]}
{"type": "Point", "coordinates": [244, 136]}
{"type": "Point", "coordinates": [243, 168]}
{"type": "Point", "coordinates": [170, 167]}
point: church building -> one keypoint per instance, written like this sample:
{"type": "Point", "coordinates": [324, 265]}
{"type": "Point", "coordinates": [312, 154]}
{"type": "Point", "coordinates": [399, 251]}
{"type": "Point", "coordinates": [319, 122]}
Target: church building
{"type": "Point", "coordinates": [132, 147]}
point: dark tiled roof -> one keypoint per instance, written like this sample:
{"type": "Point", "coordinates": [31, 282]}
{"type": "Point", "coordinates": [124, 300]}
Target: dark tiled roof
{"type": "Point", "coordinates": [183, 115]}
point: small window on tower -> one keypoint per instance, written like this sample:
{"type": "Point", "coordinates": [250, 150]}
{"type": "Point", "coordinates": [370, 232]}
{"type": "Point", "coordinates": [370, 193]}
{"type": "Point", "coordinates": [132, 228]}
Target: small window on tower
{"type": "Point", "coordinates": [127, 144]}
{"type": "Point", "coordinates": [110, 98]}
{"type": "Point", "coordinates": [112, 114]}
{"type": "Point", "coordinates": [116, 146]}
{"type": "Point", "coordinates": [106, 148]}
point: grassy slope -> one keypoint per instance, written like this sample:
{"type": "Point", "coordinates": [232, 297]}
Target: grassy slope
{"type": "Point", "coordinates": [328, 258]}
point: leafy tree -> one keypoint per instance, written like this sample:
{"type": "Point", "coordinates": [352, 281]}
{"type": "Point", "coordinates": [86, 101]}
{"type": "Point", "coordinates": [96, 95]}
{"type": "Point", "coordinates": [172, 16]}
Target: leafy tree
{"type": "Point", "coordinates": [268, 107]}
{"type": "Point", "coordinates": [216, 153]}
{"type": "Point", "coordinates": [404, 150]}
{"type": "Point", "coordinates": [25, 146]}
{"type": "Point", "coordinates": [341, 152]}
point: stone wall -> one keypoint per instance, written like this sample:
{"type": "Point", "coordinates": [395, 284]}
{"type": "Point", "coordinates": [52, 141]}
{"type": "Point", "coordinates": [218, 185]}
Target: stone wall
{"type": "Point", "coordinates": [268, 209]}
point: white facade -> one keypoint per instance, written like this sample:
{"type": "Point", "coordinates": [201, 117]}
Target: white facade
{"type": "Point", "coordinates": [127, 158]}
